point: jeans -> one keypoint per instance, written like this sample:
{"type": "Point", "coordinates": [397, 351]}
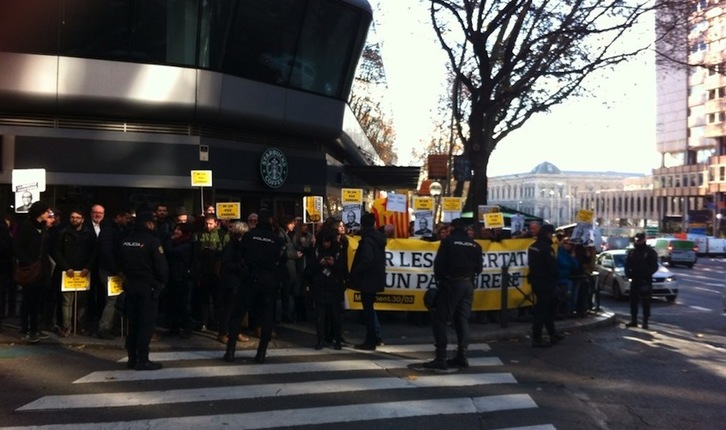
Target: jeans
{"type": "Point", "coordinates": [373, 327]}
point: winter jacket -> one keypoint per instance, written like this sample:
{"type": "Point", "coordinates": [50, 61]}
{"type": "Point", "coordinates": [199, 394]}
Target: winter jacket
{"type": "Point", "coordinates": [368, 271]}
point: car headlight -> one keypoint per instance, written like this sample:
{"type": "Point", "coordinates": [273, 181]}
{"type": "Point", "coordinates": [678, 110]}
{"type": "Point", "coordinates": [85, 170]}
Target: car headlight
{"type": "Point", "coordinates": [670, 279]}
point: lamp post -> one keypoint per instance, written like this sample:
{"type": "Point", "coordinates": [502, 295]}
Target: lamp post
{"type": "Point", "coordinates": [435, 191]}
{"type": "Point", "coordinates": [552, 207]}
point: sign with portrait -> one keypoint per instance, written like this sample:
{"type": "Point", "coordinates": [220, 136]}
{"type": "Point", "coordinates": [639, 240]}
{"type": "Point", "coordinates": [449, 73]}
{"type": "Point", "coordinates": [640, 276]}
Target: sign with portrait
{"type": "Point", "coordinates": [114, 286]}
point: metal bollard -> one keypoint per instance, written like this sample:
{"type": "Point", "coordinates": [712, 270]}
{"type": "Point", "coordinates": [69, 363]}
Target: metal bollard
{"type": "Point", "coordinates": [503, 311]}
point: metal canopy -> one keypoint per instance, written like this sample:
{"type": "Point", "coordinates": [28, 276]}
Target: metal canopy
{"type": "Point", "coordinates": [389, 177]}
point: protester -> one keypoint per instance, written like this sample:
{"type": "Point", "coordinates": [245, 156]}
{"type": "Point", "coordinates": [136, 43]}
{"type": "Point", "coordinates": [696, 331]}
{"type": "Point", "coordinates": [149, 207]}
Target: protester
{"type": "Point", "coordinates": [368, 276]}
{"type": "Point", "coordinates": [179, 252]}
{"type": "Point", "coordinates": [31, 246]}
{"type": "Point", "coordinates": [544, 278]}
{"type": "Point", "coordinates": [327, 274]}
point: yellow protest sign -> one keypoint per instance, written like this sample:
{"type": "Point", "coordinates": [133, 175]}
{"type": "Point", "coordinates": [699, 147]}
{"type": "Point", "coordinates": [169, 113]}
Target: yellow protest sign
{"type": "Point", "coordinates": [584, 215]}
{"type": "Point", "coordinates": [313, 208]}
{"type": "Point", "coordinates": [351, 196]}
{"type": "Point", "coordinates": [228, 210]}
{"type": "Point", "coordinates": [114, 286]}
{"type": "Point", "coordinates": [77, 282]}
{"type": "Point", "coordinates": [423, 203]}
{"type": "Point", "coordinates": [494, 220]}
{"type": "Point", "coordinates": [451, 204]}
{"type": "Point", "coordinates": [201, 178]}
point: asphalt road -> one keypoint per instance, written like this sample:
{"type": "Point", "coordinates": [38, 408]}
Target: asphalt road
{"type": "Point", "coordinates": [672, 376]}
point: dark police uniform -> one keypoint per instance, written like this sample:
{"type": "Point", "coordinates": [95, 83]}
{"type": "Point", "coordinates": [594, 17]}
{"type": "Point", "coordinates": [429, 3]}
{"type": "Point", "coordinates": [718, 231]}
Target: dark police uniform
{"type": "Point", "coordinates": [145, 269]}
{"type": "Point", "coordinates": [458, 260]}
{"type": "Point", "coordinates": [640, 265]}
{"type": "Point", "coordinates": [543, 277]}
{"type": "Point", "coordinates": [263, 251]}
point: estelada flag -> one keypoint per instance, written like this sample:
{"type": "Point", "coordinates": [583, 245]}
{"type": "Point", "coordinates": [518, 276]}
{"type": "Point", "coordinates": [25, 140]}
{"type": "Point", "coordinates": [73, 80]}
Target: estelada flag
{"type": "Point", "coordinates": [383, 217]}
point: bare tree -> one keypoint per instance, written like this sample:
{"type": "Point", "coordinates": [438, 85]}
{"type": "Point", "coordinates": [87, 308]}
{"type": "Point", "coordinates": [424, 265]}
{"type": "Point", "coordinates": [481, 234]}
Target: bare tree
{"type": "Point", "coordinates": [512, 59]}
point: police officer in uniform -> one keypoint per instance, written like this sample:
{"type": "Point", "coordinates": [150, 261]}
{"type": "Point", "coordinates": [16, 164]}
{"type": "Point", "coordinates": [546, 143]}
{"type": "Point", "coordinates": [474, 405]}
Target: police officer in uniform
{"type": "Point", "coordinates": [264, 252]}
{"type": "Point", "coordinates": [458, 260]}
{"type": "Point", "coordinates": [144, 266]}
{"type": "Point", "coordinates": [544, 277]}
{"type": "Point", "coordinates": [640, 265]}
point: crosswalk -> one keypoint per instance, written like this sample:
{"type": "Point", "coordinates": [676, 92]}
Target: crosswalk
{"type": "Point", "coordinates": [200, 377]}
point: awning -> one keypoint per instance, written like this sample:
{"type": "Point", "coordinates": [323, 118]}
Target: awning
{"type": "Point", "coordinates": [387, 177]}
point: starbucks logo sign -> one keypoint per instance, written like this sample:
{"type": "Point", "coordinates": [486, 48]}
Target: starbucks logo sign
{"type": "Point", "coordinates": [273, 168]}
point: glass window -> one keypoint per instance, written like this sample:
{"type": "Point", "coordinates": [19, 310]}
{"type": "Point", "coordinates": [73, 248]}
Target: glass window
{"type": "Point", "coordinates": [95, 29]}
{"type": "Point", "coordinates": [29, 27]}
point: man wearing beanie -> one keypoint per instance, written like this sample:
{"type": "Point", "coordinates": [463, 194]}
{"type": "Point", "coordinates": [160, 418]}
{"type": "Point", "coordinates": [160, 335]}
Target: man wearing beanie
{"type": "Point", "coordinates": [30, 246]}
{"type": "Point", "coordinates": [368, 275]}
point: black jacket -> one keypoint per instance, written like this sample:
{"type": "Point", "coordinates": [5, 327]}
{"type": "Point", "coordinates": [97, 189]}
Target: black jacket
{"type": "Point", "coordinates": [31, 242]}
{"type": "Point", "coordinates": [543, 268]}
{"type": "Point", "coordinates": [108, 245]}
{"type": "Point", "coordinates": [640, 265]}
{"type": "Point", "coordinates": [458, 256]}
{"type": "Point", "coordinates": [141, 259]}
{"type": "Point", "coordinates": [368, 271]}
{"type": "Point", "coordinates": [74, 249]}
{"type": "Point", "coordinates": [180, 258]}
{"type": "Point", "coordinates": [327, 279]}
{"type": "Point", "coordinates": [264, 252]}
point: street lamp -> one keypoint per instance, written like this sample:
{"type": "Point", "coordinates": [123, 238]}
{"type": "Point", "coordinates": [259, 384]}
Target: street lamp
{"type": "Point", "coordinates": [552, 207]}
{"type": "Point", "coordinates": [435, 190]}
{"type": "Point", "coordinates": [717, 233]}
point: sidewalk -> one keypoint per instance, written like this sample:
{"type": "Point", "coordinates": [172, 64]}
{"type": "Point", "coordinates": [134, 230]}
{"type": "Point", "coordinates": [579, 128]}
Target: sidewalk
{"type": "Point", "coordinates": [394, 326]}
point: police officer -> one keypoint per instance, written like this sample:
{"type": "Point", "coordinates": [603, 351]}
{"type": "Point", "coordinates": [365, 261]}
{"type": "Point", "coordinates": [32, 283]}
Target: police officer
{"type": "Point", "coordinates": [640, 265]}
{"type": "Point", "coordinates": [264, 252]}
{"type": "Point", "coordinates": [458, 260]}
{"type": "Point", "coordinates": [144, 266]}
{"type": "Point", "coordinates": [544, 277]}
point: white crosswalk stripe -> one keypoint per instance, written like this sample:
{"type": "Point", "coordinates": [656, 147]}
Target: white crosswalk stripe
{"type": "Point", "coordinates": [335, 373]}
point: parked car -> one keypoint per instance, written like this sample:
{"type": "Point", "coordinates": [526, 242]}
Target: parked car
{"type": "Point", "coordinates": [675, 251]}
{"type": "Point", "coordinates": [610, 266]}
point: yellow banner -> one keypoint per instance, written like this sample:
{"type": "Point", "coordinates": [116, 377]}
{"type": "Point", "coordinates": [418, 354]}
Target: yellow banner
{"type": "Point", "coordinates": [115, 286]}
{"type": "Point", "coordinates": [410, 272]}
{"type": "Point", "coordinates": [75, 283]}
{"type": "Point", "coordinates": [313, 208]}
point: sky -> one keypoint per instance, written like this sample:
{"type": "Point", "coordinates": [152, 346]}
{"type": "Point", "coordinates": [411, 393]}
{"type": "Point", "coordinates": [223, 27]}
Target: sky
{"type": "Point", "coordinates": [612, 131]}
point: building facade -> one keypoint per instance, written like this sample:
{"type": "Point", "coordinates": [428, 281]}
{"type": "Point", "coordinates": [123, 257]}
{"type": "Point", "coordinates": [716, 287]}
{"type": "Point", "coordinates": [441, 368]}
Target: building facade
{"type": "Point", "coordinates": [120, 100]}
{"type": "Point", "coordinates": [618, 200]}
{"type": "Point", "coordinates": [691, 121]}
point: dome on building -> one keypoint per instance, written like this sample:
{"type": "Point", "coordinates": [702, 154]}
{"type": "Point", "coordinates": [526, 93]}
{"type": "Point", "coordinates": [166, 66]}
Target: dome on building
{"type": "Point", "coordinates": [547, 168]}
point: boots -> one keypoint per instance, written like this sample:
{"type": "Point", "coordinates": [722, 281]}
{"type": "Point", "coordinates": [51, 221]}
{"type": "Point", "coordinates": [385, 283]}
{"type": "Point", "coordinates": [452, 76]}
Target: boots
{"type": "Point", "coordinates": [229, 354]}
{"type": "Point", "coordinates": [261, 353]}
{"type": "Point", "coordinates": [645, 323]}
{"type": "Point", "coordinates": [439, 363]}
{"type": "Point", "coordinates": [459, 359]}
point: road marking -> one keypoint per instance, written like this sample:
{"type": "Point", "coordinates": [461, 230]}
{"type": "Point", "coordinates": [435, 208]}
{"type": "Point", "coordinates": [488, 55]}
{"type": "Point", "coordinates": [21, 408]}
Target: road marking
{"type": "Point", "coordinates": [290, 352]}
{"type": "Point", "coordinates": [316, 416]}
{"type": "Point", "coordinates": [110, 400]}
{"type": "Point", "coordinates": [242, 369]}
{"type": "Point", "coordinates": [699, 308]}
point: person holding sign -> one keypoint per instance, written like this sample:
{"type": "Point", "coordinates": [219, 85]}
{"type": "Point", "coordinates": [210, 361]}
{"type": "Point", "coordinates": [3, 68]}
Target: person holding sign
{"type": "Point", "coordinates": [74, 256]}
{"type": "Point", "coordinates": [146, 273]}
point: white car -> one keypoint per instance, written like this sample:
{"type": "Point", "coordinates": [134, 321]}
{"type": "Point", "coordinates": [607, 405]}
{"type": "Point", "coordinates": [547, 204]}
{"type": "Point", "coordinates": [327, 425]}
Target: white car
{"type": "Point", "coordinates": [610, 266]}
